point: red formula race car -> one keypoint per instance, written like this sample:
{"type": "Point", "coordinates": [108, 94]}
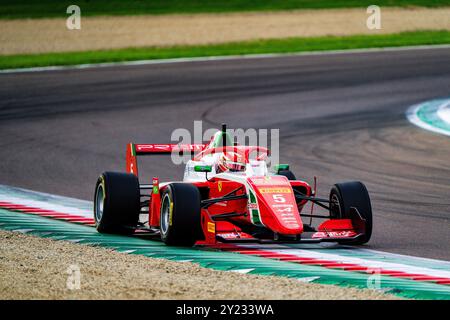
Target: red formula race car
{"type": "Point", "coordinates": [228, 194]}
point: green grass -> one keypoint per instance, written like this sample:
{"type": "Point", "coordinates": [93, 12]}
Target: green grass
{"type": "Point", "coordinates": [237, 48]}
{"type": "Point", "coordinates": [57, 8]}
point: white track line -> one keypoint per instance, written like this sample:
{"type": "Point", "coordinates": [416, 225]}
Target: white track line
{"type": "Point", "coordinates": [220, 58]}
{"type": "Point", "coordinates": [444, 112]}
{"type": "Point", "coordinates": [442, 263]}
{"type": "Point", "coordinates": [46, 206]}
{"type": "Point", "coordinates": [45, 201]}
{"type": "Point", "coordinates": [370, 264]}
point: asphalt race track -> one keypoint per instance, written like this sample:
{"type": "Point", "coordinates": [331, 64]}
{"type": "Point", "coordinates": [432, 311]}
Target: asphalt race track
{"type": "Point", "coordinates": [341, 117]}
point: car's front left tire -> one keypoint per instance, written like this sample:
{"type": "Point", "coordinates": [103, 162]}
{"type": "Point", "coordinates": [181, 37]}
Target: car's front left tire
{"type": "Point", "coordinates": [117, 203]}
{"type": "Point", "coordinates": [180, 215]}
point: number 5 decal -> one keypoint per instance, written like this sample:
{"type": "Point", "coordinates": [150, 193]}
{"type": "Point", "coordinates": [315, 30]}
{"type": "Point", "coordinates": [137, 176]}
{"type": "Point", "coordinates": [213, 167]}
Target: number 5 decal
{"type": "Point", "coordinates": [279, 198]}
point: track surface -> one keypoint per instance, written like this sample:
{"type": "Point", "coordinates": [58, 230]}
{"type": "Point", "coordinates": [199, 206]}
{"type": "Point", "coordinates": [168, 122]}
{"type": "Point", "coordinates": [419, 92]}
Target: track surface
{"type": "Point", "coordinates": [341, 117]}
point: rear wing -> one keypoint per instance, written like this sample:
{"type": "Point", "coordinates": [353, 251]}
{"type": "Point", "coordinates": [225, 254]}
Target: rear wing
{"type": "Point", "coordinates": [134, 150]}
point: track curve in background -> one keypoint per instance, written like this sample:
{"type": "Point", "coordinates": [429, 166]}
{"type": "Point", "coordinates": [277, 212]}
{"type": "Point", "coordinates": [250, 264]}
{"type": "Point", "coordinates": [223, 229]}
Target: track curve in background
{"type": "Point", "coordinates": [431, 115]}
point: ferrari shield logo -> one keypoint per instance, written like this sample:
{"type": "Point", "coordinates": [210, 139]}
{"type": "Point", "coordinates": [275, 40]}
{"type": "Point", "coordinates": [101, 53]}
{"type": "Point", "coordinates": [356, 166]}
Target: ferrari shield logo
{"type": "Point", "coordinates": [219, 186]}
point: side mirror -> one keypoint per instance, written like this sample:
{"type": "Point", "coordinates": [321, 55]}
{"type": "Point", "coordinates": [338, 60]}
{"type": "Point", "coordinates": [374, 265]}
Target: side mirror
{"type": "Point", "coordinates": [202, 168]}
{"type": "Point", "coordinates": [280, 167]}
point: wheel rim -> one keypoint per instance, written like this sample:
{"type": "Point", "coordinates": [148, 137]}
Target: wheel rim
{"type": "Point", "coordinates": [165, 214]}
{"type": "Point", "coordinates": [99, 202]}
{"type": "Point", "coordinates": [335, 206]}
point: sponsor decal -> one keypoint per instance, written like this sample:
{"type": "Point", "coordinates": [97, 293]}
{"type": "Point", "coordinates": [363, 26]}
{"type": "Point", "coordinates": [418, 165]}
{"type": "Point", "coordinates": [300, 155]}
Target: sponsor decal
{"type": "Point", "coordinates": [255, 217]}
{"type": "Point", "coordinates": [274, 190]}
{"type": "Point", "coordinates": [252, 206]}
{"type": "Point", "coordinates": [221, 204]}
{"type": "Point", "coordinates": [155, 185]}
{"type": "Point", "coordinates": [228, 235]}
{"type": "Point", "coordinates": [168, 147]}
{"type": "Point", "coordinates": [287, 209]}
{"type": "Point", "coordinates": [152, 147]}
{"type": "Point", "coordinates": [170, 213]}
{"type": "Point", "coordinates": [103, 186]}
{"type": "Point", "coordinates": [211, 227]}
{"type": "Point", "coordinates": [234, 235]}
{"type": "Point", "coordinates": [262, 181]}
{"type": "Point", "coordinates": [288, 218]}
{"type": "Point", "coordinates": [334, 234]}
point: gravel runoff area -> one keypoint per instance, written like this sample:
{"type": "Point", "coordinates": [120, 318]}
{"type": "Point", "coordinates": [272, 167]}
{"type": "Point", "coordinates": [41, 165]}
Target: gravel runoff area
{"type": "Point", "coordinates": [51, 35]}
{"type": "Point", "coordinates": [37, 268]}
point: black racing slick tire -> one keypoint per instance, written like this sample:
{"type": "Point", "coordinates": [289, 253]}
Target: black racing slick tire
{"type": "Point", "coordinates": [117, 203]}
{"type": "Point", "coordinates": [288, 174]}
{"type": "Point", "coordinates": [344, 196]}
{"type": "Point", "coordinates": [180, 216]}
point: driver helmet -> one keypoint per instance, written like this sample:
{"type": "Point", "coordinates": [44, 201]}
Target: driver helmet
{"type": "Point", "coordinates": [230, 162]}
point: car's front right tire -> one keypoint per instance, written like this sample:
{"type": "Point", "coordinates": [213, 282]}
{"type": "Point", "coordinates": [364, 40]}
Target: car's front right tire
{"type": "Point", "coordinates": [288, 174]}
{"type": "Point", "coordinates": [347, 195]}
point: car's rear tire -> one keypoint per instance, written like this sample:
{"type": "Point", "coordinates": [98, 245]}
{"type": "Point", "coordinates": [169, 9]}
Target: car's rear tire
{"type": "Point", "coordinates": [288, 174]}
{"type": "Point", "coordinates": [180, 216]}
{"type": "Point", "coordinates": [117, 203]}
{"type": "Point", "coordinates": [344, 196]}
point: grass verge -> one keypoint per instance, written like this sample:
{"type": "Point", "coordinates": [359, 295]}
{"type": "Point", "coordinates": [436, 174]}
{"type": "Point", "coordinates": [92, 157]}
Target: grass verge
{"type": "Point", "coordinates": [288, 45]}
{"type": "Point", "coordinates": [14, 9]}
